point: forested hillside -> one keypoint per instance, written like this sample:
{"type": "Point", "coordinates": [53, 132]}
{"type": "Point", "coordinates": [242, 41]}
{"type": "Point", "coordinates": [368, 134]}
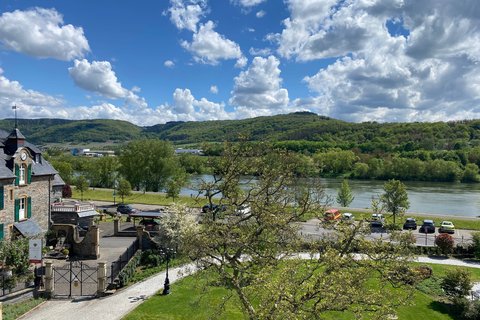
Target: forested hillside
{"type": "Point", "coordinates": [300, 131]}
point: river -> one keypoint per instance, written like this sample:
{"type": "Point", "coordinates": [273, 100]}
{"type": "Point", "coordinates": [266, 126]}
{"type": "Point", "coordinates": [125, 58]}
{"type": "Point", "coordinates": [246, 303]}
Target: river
{"type": "Point", "coordinates": [439, 198]}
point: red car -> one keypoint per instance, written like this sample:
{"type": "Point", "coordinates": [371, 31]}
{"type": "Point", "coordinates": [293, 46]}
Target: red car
{"type": "Point", "coordinates": [332, 214]}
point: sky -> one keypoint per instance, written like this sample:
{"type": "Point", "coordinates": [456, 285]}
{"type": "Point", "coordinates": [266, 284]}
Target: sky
{"type": "Point", "coordinates": [154, 61]}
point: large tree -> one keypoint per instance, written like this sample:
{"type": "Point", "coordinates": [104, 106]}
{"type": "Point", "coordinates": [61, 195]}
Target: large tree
{"type": "Point", "coordinates": [147, 164]}
{"type": "Point", "coordinates": [255, 254]}
{"type": "Point", "coordinates": [395, 198]}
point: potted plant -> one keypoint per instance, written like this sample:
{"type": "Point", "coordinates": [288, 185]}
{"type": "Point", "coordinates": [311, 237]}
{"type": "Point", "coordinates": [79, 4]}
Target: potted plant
{"type": "Point", "coordinates": [65, 252]}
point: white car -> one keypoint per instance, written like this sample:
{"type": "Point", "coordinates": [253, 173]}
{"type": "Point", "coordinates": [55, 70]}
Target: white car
{"type": "Point", "coordinates": [347, 216]}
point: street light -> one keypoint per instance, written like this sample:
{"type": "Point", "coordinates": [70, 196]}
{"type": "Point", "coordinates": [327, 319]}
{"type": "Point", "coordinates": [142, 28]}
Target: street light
{"type": "Point", "coordinates": [168, 253]}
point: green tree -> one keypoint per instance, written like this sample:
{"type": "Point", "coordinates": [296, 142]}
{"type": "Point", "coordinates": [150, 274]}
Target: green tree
{"type": "Point", "coordinates": [64, 169]}
{"type": "Point", "coordinates": [457, 283]}
{"type": "Point", "coordinates": [395, 198]}
{"type": "Point", "coordinates": [81, 185]}
{"type": "Point", "coordinates": [344, 196]}
{"type": "Point", "coordinates": [471, 173]}
{"type": "Point", "coordinates": [175, 183]}
{"type": "Point", "coordinates": [251, 254]}
{"type": "Point", "coordinates": [124, 189]}
{"type": "Point", "coordinates": [147, 164]}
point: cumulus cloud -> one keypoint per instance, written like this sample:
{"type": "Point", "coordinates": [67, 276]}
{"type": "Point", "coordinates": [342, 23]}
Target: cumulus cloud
{"type": "Point", "coordinates": [247, 3]}
{"type": "Point", "coordinates": [426, 70]}
{"type": "Point", "coordinates": [186, 107]}
{"type": "Point", "coordinates": [209, 47]}
{"type": "Point", "coordinates": [30, 103]}
{"type": "Point", "coordinates": [214, 89]}
{"type": "Point", "coordinates": [185, 14]}
{"type": "Point", "coordinates": [42, 33]}
{"type": "Point", "coordinates": [260, 14]}
{"type": "Point", "coordinates": [169, 64]}
{"type": "Point", "coordinates": [260, 52]}
{"type": "Point", "coordinates": [99, 77]}
{"type": "Point", "coordinates": [258, 90]}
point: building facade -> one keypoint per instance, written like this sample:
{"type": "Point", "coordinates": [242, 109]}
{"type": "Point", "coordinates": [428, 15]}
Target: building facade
{"type": "Point", "coordinates": [27, 182]}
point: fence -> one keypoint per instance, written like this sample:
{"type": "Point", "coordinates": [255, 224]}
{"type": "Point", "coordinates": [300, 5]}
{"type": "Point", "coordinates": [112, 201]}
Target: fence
{"type": "Point", "coordinates": [122, 261]}
{"type": "Point", "coordinates": [13, 283]}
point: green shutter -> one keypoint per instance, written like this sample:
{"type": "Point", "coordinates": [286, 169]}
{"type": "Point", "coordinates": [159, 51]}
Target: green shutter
{"type": "Point", "coordinates": [1, 231]}
{"type": "Point", "coordinates": [2, 198]}
{"type": "Point", "coordinates": [17, 210]}
{"type": "Point", "coordinates": [17, 174]}
{"type": "Point", "coordinates": [29, 207]}
{"type": "Point", "coordinates": [29, 174]}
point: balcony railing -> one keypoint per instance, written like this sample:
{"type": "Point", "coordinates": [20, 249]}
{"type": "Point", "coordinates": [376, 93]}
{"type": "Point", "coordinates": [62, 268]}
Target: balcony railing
{"type": "Point", "coordinates": [72, 206]}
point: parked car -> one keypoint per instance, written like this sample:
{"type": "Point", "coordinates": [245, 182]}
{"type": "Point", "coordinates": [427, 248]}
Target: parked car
{"type": "Point", "coordinates": [377, 226]}
{"type": "Point", "coordinates": [410, 224]}
{"type": "Point", "coordinates": [243, 210]}
{"type": "Point", "coordinates": [213, 207]}
{"type": "Point", "coordinates": [447, 227]}
{"type": "Point", "coordinates": [377, 217]}
{"type": "Point", "coordinates": [348, 217]}
{"type": "Point", "coordinates": [332, 215]}
{"type": "Point", "coordinates": [428, 226]}
{"type": "Point", "coordinates": [125, 209]}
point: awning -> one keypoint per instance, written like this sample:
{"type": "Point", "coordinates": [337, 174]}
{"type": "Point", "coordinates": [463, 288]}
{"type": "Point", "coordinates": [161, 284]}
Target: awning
{"type": "Point", "coordinates": [90, 213]}
{"type": "Point", "coordinates": [28, 228]}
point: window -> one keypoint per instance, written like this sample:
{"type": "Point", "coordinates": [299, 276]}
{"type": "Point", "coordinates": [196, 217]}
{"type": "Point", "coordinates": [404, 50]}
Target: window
{"type": "Point", "coordinates": [21, 174]}
{"type": "Point", "coordinates": [21, 209]}
{"type": "Point", "coordinates": [1, 231]}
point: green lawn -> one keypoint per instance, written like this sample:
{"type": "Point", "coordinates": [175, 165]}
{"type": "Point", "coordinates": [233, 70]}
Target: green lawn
{"type": "Point", "coordinates": [143, 198]}
{"type": "Point", "coordinates": [194, 298]}
{"type": "Point", "coordinates": [14, 310]}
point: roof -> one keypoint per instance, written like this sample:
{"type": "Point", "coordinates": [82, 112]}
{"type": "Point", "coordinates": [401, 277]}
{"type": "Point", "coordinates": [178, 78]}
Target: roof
{"type": "Point", "coordinates": [16, 134]}
{"type": "Point", "coordinates": [90, 213]}
{"type": "Point", "coordinates": [43, 168]}
{"type": "Point", "coordinates": [5, 172]}
{"type": "Point", "coordinates": [58, 181]}
{"type": "Point", "coordinates": [28, 228]}
{"type": "Point", "coordinates": [148, 214]}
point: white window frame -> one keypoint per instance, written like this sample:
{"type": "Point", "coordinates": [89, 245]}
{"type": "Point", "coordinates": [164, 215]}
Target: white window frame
{"type": "Point", "coordinates": [21, 174]}
{"type": "Point", "coordinates": [22, 209]}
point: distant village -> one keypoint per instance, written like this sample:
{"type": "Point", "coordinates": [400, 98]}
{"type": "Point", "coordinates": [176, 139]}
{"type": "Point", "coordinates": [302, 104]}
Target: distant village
{"type": "Point", "coordinates": [84, 152]}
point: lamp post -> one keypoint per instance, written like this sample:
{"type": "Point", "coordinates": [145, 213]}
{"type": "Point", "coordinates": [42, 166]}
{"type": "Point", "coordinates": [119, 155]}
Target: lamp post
{"type": "Point", "coordinates": [168, 252]}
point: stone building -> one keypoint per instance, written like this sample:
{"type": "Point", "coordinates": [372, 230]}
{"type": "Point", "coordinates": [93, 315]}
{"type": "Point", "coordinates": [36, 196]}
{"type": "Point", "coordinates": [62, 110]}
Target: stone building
{"type": "Point", "coordinates": [27, 182]}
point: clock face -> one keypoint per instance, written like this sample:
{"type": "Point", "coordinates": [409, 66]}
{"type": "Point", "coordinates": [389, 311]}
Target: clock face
{"type": "Point", "coordinates": [23, 156]}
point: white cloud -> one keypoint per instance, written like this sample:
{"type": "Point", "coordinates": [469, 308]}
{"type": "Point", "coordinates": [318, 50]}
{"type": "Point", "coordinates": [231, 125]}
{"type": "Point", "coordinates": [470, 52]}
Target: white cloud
{"type": "Point", "coordinates": [241, 62]}
{"type": "Point", "coordinates": [426, 72]}
{"type": "Point", "coordinates": [30, 102]}
{"type": "Point", "coordinates": [258, 90]}
{"type": "Point", "coordinates": [260, 14]}
{"type": "Point", "coordinates": [187, 108]}
{"type": "Point", "coordinates": [260, 52]}
{"type": "Point", "coordinates": [209, 47]}
{"type": "Point", "coordinates": [213, 89]}
{"type": "Point", "coordinates": [185, 14]}
{"type": "Point", "coordinates": [42, 33]}
{"type": "Point", "coordinates": [169, 64]}
{"type": "Point", "coordinates": [247, 3]}
{"type": "Point", "coordinates": [99, 77]}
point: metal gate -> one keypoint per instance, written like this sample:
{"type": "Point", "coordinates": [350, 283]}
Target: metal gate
{"type": "Point", "coordinates": [75, 279]}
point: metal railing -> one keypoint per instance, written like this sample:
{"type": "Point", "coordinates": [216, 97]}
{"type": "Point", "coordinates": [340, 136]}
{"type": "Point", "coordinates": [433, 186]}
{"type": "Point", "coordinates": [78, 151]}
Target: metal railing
{"type": "Point", "coordinates": [122, 261]}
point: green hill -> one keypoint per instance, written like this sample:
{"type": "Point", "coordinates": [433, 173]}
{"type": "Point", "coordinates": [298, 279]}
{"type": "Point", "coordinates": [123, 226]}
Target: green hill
{"type": "Point", "coordinates": [299, 131]}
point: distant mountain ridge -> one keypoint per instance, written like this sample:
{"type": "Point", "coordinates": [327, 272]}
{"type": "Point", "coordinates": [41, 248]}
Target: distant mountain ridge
{"type": "Point", "coordinates": [299, 126]}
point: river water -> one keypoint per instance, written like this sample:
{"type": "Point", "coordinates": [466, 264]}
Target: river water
{"type": "Point", "coordinates": [456, 199]}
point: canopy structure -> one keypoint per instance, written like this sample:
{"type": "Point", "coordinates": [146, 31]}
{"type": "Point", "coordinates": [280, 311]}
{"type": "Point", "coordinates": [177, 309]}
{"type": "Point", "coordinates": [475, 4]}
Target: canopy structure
{"type": "Point", "coordinates": [148, 214]}
{"type": "Point", "coordinates": [28, 228]}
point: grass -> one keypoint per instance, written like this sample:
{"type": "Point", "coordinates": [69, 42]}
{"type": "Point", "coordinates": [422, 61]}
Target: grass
{"type": "Point", "coordinates": [195, 297]}
{"type": "Point", "coordinates": [136, 197]}
{"type": "Point", "coordinates": [15, 310]}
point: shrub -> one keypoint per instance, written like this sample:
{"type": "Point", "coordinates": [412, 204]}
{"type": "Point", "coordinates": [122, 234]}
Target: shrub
{"type": "Point", "coordinates": [457, 283]}
{"type": "Point", "coordinates": [476, 244]}
{"type": "Point", "coordinates": [445, 243]}
{"type": "Point", "coordinates": [151, 258]}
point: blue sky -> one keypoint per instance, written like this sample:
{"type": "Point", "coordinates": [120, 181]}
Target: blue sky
{"type": "Point", "coordinates": [150, 62]}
